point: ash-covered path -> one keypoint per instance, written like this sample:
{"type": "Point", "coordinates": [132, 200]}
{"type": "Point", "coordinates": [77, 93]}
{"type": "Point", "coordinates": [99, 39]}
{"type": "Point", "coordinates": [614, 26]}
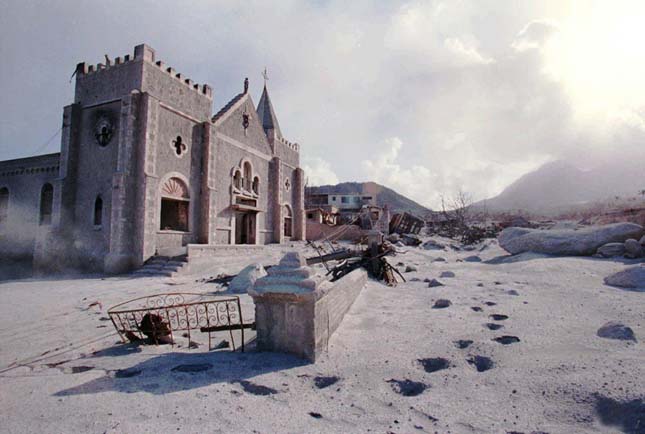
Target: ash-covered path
{"type": "Point", "coordinates": [396, 364]}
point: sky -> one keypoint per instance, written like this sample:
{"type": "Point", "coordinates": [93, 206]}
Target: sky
{"type": "Point", "coordinates": [425, 97]}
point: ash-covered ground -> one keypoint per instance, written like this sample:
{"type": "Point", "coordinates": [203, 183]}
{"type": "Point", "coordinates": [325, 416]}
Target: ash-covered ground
{"type": "Point", "coordinates": [513, 348]}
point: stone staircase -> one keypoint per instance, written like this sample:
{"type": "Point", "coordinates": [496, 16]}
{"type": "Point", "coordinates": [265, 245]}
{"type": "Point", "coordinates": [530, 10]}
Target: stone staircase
{"type": "Point", "coordinates": [159, 265]}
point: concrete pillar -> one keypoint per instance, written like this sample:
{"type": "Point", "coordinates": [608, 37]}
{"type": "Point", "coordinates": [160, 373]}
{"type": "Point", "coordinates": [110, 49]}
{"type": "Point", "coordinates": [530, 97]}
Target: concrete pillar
{"type": "Point", "coordinates": [66, 195]}
{"type": "Point", "coordinates": [299, 217]}
{"type": "Point", "coordinates": [207, 205]}
{"type": "Point", "coordinates": [275, 189]}
{"type": "Point", "coordinates": [284, 308]}
{"type": "Point", "coordinates": [120, 257]}
{"type": "Point", "coordinates": [145, 215]}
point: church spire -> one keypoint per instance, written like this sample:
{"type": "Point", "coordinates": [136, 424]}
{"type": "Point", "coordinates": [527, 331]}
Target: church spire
{"type": "Point", "coordinates": [266, 115]}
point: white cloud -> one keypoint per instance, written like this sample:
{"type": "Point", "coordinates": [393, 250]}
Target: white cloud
{"type": "Point", "coordinates": [535, 34]}
{"type": "Point", "coordinates": [319, 172]}
{"type": "Point", "coordinates": [463, 97]}
{"type": "Point", "coordinates": [414, 182]}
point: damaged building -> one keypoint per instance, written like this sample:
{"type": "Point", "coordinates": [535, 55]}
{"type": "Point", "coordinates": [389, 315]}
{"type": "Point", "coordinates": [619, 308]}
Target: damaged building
{"type": "Point", "coordinates": [145, 166]}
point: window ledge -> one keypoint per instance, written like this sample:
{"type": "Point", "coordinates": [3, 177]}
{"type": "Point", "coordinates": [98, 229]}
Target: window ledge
{"type": "Point", "coordinates": [168, 231]}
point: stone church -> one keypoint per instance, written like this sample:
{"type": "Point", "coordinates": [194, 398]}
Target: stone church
{"type": "Point", "coordinates": [145, 167]}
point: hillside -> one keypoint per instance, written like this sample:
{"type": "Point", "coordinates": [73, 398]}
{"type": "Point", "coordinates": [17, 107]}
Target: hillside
{"type": "Point", "coordinates": [397, 202]}
{"type": "Point", "coordinates": [558, 186]}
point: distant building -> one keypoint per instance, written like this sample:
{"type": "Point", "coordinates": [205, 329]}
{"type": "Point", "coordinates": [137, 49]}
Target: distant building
{"type": "Point", "coordinates": [145, 167]}
{"type": "Point", "coordinates": [348, 205]}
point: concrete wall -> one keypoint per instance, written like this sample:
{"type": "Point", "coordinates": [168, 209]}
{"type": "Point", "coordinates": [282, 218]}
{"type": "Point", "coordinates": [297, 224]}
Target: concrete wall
{"type": "Point", "coordinates": [320, 231]}
{"type": "Point", "coordinates": [24, 179]}
{"type": "Point", "coordinates": [302, 324]}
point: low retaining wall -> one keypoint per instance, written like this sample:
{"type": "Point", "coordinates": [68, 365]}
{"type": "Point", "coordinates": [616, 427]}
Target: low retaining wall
{"type": "Point", "coordinates": [319, 231]}
{"type": "Point", "coordinates": [297, 314]}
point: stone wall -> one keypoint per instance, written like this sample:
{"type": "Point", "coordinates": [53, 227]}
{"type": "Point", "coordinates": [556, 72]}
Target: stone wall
{"type": "Point", "coordinates": [320, 231]}
{"type": "Point", "coordinates": [23, 180]}
{"type": "Point", "coordinates": [296, 312]}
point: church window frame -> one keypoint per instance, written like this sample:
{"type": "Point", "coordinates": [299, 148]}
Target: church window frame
{"type": "Point", "coordinates": [97, 215]}
{"type": "Point", "coordinates": [179, 146]}
{"type": "Point", "coordinates": [174, 206]}
{"type": "Point", "coordinates": [46, 208]}
{"type": "Point", "coordinates": [4, 205]}
{"type": "Point", "coordinates": [288, 221]}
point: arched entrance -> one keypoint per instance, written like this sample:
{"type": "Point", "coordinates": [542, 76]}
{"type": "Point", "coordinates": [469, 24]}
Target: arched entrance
{"type": "Point", "coordinates": [175, 203]}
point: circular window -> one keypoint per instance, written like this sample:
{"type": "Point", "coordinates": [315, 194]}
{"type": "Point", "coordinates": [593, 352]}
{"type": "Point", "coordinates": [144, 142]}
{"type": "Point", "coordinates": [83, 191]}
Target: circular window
{"type": "Point", "coordinates": [103, 131]}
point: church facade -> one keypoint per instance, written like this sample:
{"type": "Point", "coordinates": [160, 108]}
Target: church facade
{"type": "Point", "coordinates": [145, 167]}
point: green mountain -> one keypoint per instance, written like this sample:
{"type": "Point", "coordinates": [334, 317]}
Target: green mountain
{"type": "Point", "coordinates": [384, 196]}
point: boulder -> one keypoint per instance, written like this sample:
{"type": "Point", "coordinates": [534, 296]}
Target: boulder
{"type": "Point", "coordinates": [473, 258]}
{"type": "Point", "coordinates": [433, 245]}
{"type": "Point", "coordinates": [447, 274]}
{"type": "Point", "coordinates": [580, 242]}
{"type": "Point", "coordinates": [434, 283]}
{"type": "Point", "coordinates": [246, 278]}
{"type": "Point", "coordinates": [410, 268]}
{"type": "Point", "coordinates": [610, 250]}
{"type": "Point", "coordinates": [442, 303]}
{"type": "Point", "coordinates": [410, 239]}
{"type": "Point", "coordinates": [616, 330]}
{"type": "Point", "coordinates": [642, 241]}
{"type": "Point", "coordinates": [633, 249]}
{"type": "Point", "coordinates": [631, 277]}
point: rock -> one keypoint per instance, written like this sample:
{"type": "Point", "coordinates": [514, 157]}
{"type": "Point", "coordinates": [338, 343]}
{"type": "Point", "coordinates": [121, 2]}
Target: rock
{"type": "Point", "coordinates": [410, 239]}
{"type": "Point", "coordinates": [442, 303]}
{"type": "Point", "coordinates": [246, 278]}
{"type": "Point", "coordinates": [610, 250]}
{"type": "Point", "coordinates": [633, 248]}
{"type": "Point", "coordinates": [581, 242]}
{"type": "Point", "coordinates": [410, 268]}
{"type": "Point", "coordinates": [631, 277]}
{"type": "Point", "coordinates": [434, 283]}
{"type": "Point", "coordinates": [433, 245]}
{"type": "Point", "coordinates": [616, 330]}
{"type": "Point", "coordinates": [414, 279]}
{"type": "Point", "coordinates": [473, 258]}
{"type": "Point", "coordinates": [439, 259]}
{"type": "Point", "coordinates": [642, 241]}
{"type": "Point", "coordinates": [447, 274]}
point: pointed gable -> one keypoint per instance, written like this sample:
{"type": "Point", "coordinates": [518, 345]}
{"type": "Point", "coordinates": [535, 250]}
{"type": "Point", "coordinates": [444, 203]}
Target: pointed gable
{"type": "Point", "coordinates": [266, 115]}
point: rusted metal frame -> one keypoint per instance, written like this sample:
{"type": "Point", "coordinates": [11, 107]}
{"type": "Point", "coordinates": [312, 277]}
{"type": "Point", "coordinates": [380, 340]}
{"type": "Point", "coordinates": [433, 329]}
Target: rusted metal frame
{"type": "Point", "coordinates": [172, 337]}
{"type": "Point", "coordinates": [159, 308]}
{"type": "Point", "coordinates": [208, 325]}
{"type": "Point", "coordinates": [250, 325]}
{"type": "Point", "coordinates": [239, 309]}
{"type": "Point", "coordinates": [230, 331]}
{"type": "Point", "coordinates": [187, 323]}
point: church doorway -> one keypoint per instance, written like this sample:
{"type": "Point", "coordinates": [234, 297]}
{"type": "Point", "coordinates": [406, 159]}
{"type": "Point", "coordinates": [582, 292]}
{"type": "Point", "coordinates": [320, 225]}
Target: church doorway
{"type": "Point", "coordinates": [245, 227]}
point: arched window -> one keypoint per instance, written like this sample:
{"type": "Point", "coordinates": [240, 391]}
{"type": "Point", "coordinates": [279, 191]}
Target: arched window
{"type": "Point", "coordinates": [237, 179]}
{"type": "Point", "coordinates": [175, 201]}
{"type": "Point", "coordinates": [288, 221]}
{"type": "Point", "coordinates": [248, 175]}
{"type": "Point", "coordinates": [98, 211]}
{"type": "Point", "coordinates": [4, 204]}
{"type": "Point", "coordinates": [46, 204]}
{"type": "Point", "coordinates": [256, 185]}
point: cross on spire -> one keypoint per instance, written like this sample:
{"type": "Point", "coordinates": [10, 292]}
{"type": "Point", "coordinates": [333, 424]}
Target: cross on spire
{"type": "Point", "coordinates": [265, 74]}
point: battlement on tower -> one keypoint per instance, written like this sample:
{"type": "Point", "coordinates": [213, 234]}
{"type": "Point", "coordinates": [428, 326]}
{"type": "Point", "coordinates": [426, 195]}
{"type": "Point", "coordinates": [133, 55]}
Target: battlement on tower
{"type": "Point", "coordinates": [291, 145]}
{"type": "Point", "coordinates": [142, 53]}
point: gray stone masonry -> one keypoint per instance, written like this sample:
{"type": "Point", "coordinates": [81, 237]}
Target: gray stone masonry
{"type": "Point", "coordinates": [296, 311]}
